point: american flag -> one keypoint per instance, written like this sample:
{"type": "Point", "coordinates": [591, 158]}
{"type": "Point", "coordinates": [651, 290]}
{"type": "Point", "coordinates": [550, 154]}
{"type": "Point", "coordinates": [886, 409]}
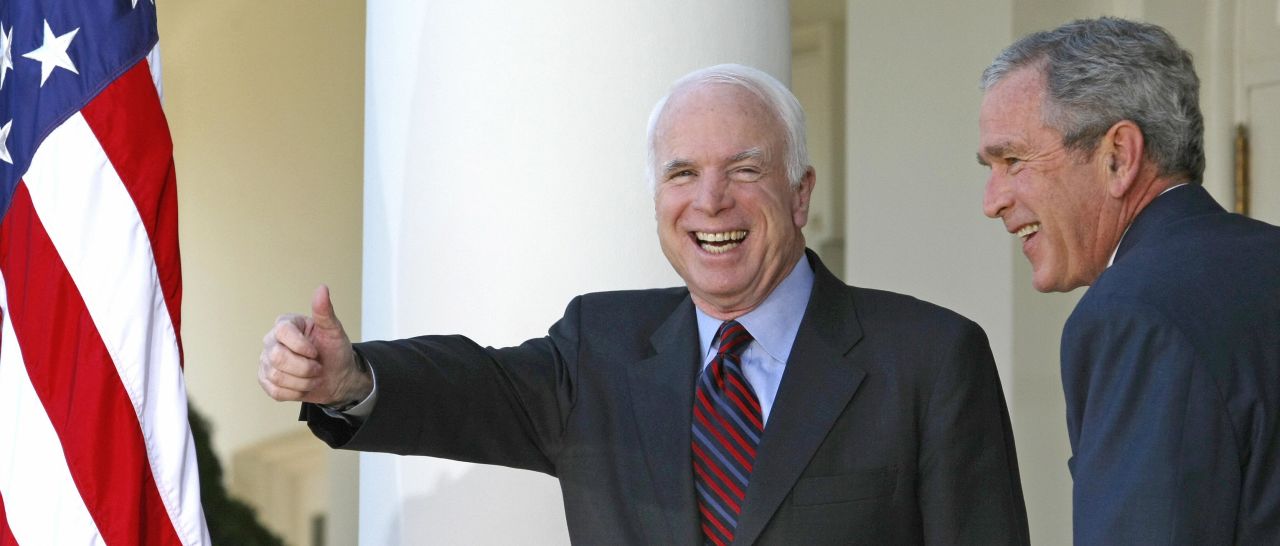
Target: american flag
{"type": "Point", "coordinates": [95, 446]}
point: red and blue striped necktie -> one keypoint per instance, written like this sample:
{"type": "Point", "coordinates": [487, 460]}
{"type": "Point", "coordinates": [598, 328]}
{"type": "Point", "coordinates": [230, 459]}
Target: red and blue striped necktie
{"type": "Point", "coordinates": [727, 425]}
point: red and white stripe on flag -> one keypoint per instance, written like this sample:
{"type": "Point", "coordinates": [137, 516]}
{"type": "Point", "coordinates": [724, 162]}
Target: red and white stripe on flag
{"type": "Point", "coordinates": [95, 446]}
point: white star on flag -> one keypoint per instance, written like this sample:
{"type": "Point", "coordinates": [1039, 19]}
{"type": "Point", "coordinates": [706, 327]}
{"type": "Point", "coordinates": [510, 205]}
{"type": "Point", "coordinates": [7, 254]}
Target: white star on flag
{"type": "Point", "coordinates": [53, 53]}
{"type": "Point", "coordinates": [6, 52]}
{"type": "Point", "coordinates": [4, 143]}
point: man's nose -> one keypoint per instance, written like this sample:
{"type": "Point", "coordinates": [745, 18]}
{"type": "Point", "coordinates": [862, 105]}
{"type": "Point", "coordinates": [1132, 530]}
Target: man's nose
{"type": "Point", "coordinates": [997, 196]}
{"type": "Point", "coordinates": [713, 194]}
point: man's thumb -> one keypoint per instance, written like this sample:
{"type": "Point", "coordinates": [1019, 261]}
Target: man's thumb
{"type": "Point", "coordinates": [322, 309]}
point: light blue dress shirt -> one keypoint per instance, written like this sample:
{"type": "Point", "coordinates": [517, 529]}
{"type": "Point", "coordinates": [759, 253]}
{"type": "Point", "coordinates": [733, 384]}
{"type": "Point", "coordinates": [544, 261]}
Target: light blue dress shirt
{"type": "Point", "coordinates": [773, 326]}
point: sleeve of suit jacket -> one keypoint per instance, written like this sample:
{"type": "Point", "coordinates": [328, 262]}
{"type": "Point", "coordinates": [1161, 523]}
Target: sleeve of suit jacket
{"type": "Point", "coordinates": [970, 491]}
{"type": "Point", "coordinates": [519, 396]}
{"type": "Point", "coordinates": [1152, 443]}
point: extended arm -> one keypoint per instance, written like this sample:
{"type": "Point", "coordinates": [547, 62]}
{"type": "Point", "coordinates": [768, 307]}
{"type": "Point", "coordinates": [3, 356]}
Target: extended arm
{"type": "Point", "coordinates": [446, 396]}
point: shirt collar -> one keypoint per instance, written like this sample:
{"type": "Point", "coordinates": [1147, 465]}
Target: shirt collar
{"type": "Point", "coordinates": [1126, 229]}
{"type": "Point", "coordinates": [774, 323]}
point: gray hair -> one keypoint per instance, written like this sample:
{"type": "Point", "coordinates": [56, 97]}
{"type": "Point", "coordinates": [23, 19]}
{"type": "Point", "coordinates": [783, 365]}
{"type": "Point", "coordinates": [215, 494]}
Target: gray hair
{"type": "Point", "coordinates": [776, 97]}
{"type": "Point", "coordinates": [1101, 71]}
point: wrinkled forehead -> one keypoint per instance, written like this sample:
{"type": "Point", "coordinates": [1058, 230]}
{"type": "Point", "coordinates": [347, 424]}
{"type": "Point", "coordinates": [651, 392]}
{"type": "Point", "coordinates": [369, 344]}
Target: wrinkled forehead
{"type": "Point", "coordinates": [1013, 106]}
{"type": "Point", "coordinates": [714, 98]}
{"type": "Point", "coordinates": [716, 115]}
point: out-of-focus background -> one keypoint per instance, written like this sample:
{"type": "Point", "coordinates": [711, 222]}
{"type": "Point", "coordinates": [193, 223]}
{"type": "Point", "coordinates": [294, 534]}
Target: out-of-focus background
{"type": "Point", "coordinates": [451, 167]}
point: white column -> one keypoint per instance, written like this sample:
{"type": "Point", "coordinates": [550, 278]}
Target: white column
{"type": "Point", "coordinates": [504, 175]}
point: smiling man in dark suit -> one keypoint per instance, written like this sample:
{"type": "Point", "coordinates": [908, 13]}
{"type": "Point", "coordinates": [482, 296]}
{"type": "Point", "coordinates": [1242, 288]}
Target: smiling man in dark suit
{"type": "Point", "coordinates": [764, 402]}
{"type": "Point", "coordinates": [1171, 360]}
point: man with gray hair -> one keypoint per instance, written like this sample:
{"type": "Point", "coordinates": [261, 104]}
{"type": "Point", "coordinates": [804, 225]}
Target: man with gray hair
{"type": "Point", "coordinates": [765, 402]}
{"type": "Point", "coordinates": [1171, 360]}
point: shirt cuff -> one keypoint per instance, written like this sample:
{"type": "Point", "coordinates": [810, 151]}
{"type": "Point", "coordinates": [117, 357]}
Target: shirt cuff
{"type": "Point", "coordinates": [357, 413]}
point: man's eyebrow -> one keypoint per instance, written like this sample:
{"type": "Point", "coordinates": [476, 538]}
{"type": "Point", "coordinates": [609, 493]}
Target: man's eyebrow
{"type": "Point", "coordinates": [676, 164]}
{"type": "Point", "coordinates": [752, 153]}
{"type": "Point", "coordinates": [999, 149]}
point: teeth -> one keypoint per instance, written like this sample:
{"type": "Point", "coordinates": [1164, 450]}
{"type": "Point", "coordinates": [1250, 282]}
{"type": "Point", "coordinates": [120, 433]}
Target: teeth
{"type": "Point", "coordinates": [720, 237]}
{"type": "Point", "coordinates": [1027, 230]}
{"type": "Point", "coordinates": [718, 249]}
{"type": "Point", "coordinates": [720, 242]}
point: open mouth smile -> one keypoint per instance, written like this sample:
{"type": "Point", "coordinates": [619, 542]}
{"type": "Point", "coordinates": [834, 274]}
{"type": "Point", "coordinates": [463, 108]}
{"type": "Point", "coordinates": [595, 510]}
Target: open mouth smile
{"type": "Point", "coordinates": [1027, 231]}
{"type": "Point", "coordinates": [719, 242]}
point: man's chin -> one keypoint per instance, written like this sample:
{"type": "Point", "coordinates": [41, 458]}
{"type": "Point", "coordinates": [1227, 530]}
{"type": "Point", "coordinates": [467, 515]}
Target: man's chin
{"type": "Point", "coordinates": [1048, 285]}
{"type": "Point", "coordinates": [1042, 283]}
{"type": "Point", "coordinates": [715, 292]}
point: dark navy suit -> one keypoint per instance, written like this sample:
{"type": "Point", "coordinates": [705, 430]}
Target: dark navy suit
{"type": "Point", "coordinates": [889, 425]}
{"type": "Point", "coordinates": [1171, 369]}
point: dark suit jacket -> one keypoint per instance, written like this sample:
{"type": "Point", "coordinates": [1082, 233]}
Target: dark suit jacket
{"type": "Point", "coordinates": [1171, 367]}
{"type": "Point", "coordinates": [889, 426]}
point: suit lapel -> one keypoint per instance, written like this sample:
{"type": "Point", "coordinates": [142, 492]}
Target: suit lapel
{"type": "Point", "coordinates": [662, 394]}
{"type": "Point", "coordinates": [818, 383]}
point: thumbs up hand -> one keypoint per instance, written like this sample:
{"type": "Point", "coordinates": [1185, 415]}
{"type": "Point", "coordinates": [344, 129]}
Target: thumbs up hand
{"type": "Point", "coordinates": [310, 359]}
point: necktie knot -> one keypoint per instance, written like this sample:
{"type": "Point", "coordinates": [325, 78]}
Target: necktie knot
{"type": "Point", "coordinates": [734, 338]}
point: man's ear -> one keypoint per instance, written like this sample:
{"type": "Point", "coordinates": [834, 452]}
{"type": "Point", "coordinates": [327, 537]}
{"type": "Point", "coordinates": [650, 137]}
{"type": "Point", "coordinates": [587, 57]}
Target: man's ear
{"type": "Point", "coordinates": [1122, 154]}
{"type": "Point", "coordinates": [800, 208]}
